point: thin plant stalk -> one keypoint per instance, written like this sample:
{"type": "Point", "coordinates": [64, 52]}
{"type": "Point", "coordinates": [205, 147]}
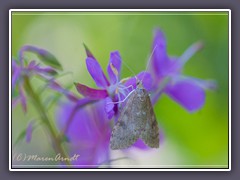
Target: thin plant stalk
{"type": "Point", "coordinates": [45, 119]}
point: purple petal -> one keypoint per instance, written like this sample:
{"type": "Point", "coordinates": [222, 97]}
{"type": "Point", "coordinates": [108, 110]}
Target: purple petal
{"type": "Point", "coordinates": [88, 134]}
{"type": "Point", "coordinates": [29, 132]}
{"type": "Point", "coordinates": [109, 107]}
{"type": "Point", "coordinates": [15, 101]}
{"type": "Point", "coordinates": [159, 48]}
{"type": "Point", "coordinates": [43, 55]}
{"type": "Point", "coordinates": [115, 60]}
{"type": "Point", "coordinates": [74, 107]}
{"type": "Point", "coordinates": [187, 93]}
{"type": "Point", "coordinates": [15, 77]}
{"type": "Point", "coordinates": [190, 52]}
{"type": "Point", "coordinates": [90, 92]}
{"type": "Point", "coordinates": [159, 87]}
{"type": "Point", "coordinates": [57, 87]}
{"type": "Point", "coordinates": [204, 84]}
{"type": "Point", "coordinates": [161, 64]}
{"type": "Point", "coordinates": [140, 145]}
{"type": "Point", "coordinates": [208, 84]}
{"type": "Point", "coordinates": [32, 64]}
{"type": "Point", "coordinates": [144, 77]}
{"type": "Point", "coordinates": [45, 70]}
{"type": "Point", "coordinates": [131, 82]}
{"type": "Point", "coordinates": [155, 96]}
{"type": "Point", "coordinates": [23, 99]}
{"type": "Point", "coordinates": [23, 50]}
{"type": "Point", "coordinates": [14, 64]}
{"type": "Point", "coordinates": [84, 101]}
{"type": "Point", "coordinates": [96, 72]}
{"type": "Point", "coordinates": [88, 52]}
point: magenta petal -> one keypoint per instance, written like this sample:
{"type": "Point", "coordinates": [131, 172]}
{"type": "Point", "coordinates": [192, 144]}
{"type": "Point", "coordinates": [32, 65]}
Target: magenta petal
{"type": "Point", "coordinates": [188, 94]}
{"type": "Point", "coordinates": [96, 72]}
{"type": "Point", "coordinates": [88, 52]}
{"type": "Point", "coordinates": [115, 60]}
{"type": "Point", "coordinates": [144, 77]}
{"type": "Point", "coordinates": [90, 92]}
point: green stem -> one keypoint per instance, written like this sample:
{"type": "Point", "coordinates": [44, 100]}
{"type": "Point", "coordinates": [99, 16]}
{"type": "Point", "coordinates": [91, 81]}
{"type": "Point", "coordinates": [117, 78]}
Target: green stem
{"type": "Point", "coordinates": [50, 128]}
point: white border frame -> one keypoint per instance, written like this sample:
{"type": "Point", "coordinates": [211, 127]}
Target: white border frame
{"type": "Point", "coordinates": [117, 10]}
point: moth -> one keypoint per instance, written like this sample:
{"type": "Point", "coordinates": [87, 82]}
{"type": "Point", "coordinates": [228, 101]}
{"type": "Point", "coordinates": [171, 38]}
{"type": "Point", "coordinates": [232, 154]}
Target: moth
{"type": "Point", "coordinates": [137, 120]}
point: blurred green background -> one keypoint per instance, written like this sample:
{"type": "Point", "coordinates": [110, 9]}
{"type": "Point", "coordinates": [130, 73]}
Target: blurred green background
{"type": "Point", "coordinates": [199, 139]}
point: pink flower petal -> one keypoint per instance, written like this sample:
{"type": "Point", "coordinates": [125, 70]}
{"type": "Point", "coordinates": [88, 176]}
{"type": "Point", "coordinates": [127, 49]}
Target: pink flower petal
{"type": "Point", "coordinates": [90, 92]}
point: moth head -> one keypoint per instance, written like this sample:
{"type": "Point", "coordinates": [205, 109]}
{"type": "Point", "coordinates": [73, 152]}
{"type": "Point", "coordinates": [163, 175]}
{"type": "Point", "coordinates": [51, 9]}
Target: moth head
{"type": "Point", "coordinates": [139, 84]}
{"type": "Point", "coordinates": [141, 92]}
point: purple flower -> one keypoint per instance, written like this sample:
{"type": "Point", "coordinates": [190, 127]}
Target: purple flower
{"type": "Point", "coordinates": [112, 90]}
{"type": "Point", "coordinates": [88, 134]}
{"type": "Point", "coordinates": [21, 70]}
{"type": "Point", "coordinates": [87, 131]}
{"type": "Point", "coordinates": [167, 75]}
{"type": "Point", "coordinates": [58, 88]}
{"type": "Point", "coordinates": [18, 74]}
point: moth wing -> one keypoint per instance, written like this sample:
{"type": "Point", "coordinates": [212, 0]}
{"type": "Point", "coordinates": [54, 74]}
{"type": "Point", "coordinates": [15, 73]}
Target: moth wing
{"type": "Point", "coordinates": [150, 134]}
{"type": "Point", "coordinates": [129, 125]}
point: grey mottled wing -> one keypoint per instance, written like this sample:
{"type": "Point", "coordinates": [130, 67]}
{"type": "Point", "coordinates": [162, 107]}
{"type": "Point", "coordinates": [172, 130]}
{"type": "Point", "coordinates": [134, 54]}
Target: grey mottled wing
{"type": "Point", "coordinates": [131, 122]}
{"type": "Point", "coordinates": [150, 134]}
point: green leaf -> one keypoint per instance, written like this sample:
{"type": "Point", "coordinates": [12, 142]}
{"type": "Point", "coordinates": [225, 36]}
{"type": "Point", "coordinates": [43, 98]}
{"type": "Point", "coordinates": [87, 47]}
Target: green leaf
{"type": "Point", "coordinates": [49, 59]}
{"type": "Point", "coordinates": [20, 137]}
{"type": "Point", "coordinates": [15, 93]}
{"type": "Point", "coordinates": [45, 56]}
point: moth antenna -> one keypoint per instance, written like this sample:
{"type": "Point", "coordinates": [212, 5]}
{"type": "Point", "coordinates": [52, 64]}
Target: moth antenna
{"type": "Point", "coordinates": [122, 100]}
{"type": "Point", "coordinates": [130, 70]}
{"type": "Point", "coordinates": [149, 61]}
